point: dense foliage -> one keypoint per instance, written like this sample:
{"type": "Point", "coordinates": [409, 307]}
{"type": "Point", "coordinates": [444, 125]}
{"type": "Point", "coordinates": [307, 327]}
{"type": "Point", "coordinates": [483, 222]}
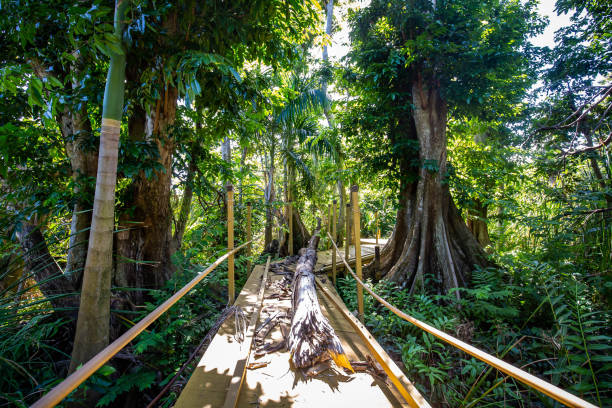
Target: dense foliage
{"type": "Point", "coordinates": [235, 93]}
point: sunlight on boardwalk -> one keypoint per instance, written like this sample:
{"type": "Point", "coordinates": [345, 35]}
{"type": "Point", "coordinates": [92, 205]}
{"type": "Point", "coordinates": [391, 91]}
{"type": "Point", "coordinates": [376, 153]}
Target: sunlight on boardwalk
{"type": "Point", "coordinates": [276, 384]}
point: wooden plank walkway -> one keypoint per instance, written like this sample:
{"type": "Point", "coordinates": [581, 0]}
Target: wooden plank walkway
{"type": "Point", "coordinates": [277, 384]}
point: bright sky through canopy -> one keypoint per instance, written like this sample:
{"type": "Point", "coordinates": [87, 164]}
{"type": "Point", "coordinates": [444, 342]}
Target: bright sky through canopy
{"type": "Point", "coordinates": [340, 47]}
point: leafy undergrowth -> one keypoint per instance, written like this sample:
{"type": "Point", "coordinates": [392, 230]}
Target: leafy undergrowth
{"type": "Point", "coordinates": [530, 314]}
{"type": "Point", "coordinates": [32, 361]}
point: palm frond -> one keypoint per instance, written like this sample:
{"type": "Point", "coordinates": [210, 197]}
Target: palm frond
{"type": "Point", "coordinates": [296, 162]}
{"type": "Point", "coordinates": [308, 100]}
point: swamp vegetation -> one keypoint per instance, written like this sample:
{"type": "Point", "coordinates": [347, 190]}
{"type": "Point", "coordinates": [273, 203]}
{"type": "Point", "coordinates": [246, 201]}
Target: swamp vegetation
{"type": "Point", "coordinates": [483, 158]}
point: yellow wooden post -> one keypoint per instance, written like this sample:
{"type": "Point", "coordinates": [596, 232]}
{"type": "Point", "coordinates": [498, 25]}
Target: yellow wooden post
{"type": "Point", "coordinates": [334, 238]}
{"type": "Point", "coordinates": [347, 231]}
{"type": "Point", "coordinates": [357, 239]}
{"type": "Point", "coordinates": [290, 221]}
{"type": "Point", "coordinates": [230, 243]}
{"type": "Point", "coordinates": [249, 235]}
{"type": "Point", "coordinates": [377, 230]}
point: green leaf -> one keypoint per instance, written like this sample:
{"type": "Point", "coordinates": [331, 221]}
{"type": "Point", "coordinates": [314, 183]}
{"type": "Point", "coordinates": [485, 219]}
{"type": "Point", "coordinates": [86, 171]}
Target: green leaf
{"type": "Point", "coordinates": [106, 370]}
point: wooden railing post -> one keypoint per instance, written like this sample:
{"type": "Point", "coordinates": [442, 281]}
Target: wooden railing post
{"type": "Point", "coordinates": [335, 237]}
{"type": "Point", "coordinates": [347, 231]}
{"type": "Point", "coordinates": [357, 239]}
{"type": "Point", "coordinates": [230, 243]}
{"type": "Point", "coordinates": [290, 221]}
{"type": "Point", "coordinates": [249, 233]}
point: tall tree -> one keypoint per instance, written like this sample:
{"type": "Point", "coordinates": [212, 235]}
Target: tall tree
{"type": "Point", "coordinates": [185, 61]}
{"type": "Point", "coordinates": [415, 63]}
{"type": "Point", "coordinates": [60, 64]}
{"type": "Point", "coordinates": [92, 333]}
{"type": "Point", "coordinates": [329, 19]}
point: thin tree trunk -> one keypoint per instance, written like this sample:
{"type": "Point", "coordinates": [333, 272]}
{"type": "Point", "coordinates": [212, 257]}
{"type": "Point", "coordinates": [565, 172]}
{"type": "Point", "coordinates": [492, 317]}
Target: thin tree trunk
{"type": "Point", "coordinates": [311, 338]}
{"type": "Point", "coordinates": [477, 223]}
{"type": "Point", "coordinates": [185, 209]}
{"type": "Point", "coordinates": [269, 198]}
{"type": "Point", "coordinates": [341, 210]}
{"type": "Point", "coordinates": [301, 236]}
{"type": "Point", "coordinates": [226, 155]}
{"type": "Point", "coordinates": [329, 17]}
{"type": "Point", "coordinates": [243, 158]}
{"type": "Point", "coordinates": [603, 183]}
{"type": "Point", "coordinates": [93, 323]}
{"type": "Point", "coordinates": [477, 215]}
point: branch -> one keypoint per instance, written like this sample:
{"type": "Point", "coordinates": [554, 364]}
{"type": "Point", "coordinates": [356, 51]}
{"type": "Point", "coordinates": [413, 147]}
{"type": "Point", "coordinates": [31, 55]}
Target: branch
{"type": "Point", "coordinates": [591, 148]}
{"type": "Point", "coordinates": [560, 125]}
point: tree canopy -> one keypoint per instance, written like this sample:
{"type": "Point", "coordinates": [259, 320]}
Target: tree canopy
{"type": "Point", "coordinates": [482, 159]}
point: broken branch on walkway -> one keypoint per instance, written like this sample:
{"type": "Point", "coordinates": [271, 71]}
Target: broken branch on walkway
{"type": "Point", "coordinates": [311, 339]}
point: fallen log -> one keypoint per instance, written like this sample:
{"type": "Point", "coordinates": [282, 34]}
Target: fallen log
{"type": "Point", "coordinates": [311, 339]}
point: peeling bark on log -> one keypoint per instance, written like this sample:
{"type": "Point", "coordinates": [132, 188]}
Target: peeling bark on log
{"type": "Point", "coordinates": [311, 338]}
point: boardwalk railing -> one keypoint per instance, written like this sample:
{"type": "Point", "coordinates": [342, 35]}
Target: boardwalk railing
{"type": "Point", "coordinates": [64, 388]}
{"type": "Point", "coordinates": [530, 380]}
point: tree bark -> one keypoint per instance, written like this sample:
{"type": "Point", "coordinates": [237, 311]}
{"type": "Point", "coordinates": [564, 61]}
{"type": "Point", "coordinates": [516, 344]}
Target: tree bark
{"type": "Point", "coordinates": [269, 197]}
{"type": "Point", "coordinates": [311, 338]}
{"type": "Point", "coordinates": [43, 268]}
{"type": "Point", "coordinates": [93, 323]}
{"type": "Point", "coordinates": [430, 237]}
{"type": "Point", "coordinates": [340, 223]}
{"type": "Point", "coordinates": [477, 223]}
{"type": "Point", "coordinates": [243, 157]}
{"type": "Point", "coordinates": [329, 17]}
{"type": "Point", "coordinates": [145, 243]}
{"type": "Point", "coordinates": [603, 183]}
{"type": "Point", "coordinates": [301, 236]}
{"type": "Point", "coordinates": [76, 129]}
{"type": "Point", "coordinates": [226, 150]}
{"type": "Point", "coordinates": [185, 209]}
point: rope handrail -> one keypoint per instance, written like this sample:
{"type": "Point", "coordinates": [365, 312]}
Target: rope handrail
{"type": "Point", "coordinates": [530, 380]}
{"type": "Point", "coordinates": [60, 391]}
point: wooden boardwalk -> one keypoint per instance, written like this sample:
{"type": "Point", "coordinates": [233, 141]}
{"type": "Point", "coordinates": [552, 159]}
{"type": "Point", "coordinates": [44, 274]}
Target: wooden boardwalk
{"type": "Point", "coordinates": [277, 384]}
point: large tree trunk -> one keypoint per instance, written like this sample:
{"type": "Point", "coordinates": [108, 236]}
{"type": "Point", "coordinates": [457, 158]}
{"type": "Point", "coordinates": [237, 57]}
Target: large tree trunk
{"type": "Point", "coordinates": [93, 324]}
{"type": "Point", "coordinates": [40, 265]}
{"type": "Point", "coordinates": [430, 237]}
{"type": "Point", "coordinates": [311, 338]}
{"type": "Point", "coordinates": [144, 250]}
{"type": "Point", "coordinates": [145, 243]}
